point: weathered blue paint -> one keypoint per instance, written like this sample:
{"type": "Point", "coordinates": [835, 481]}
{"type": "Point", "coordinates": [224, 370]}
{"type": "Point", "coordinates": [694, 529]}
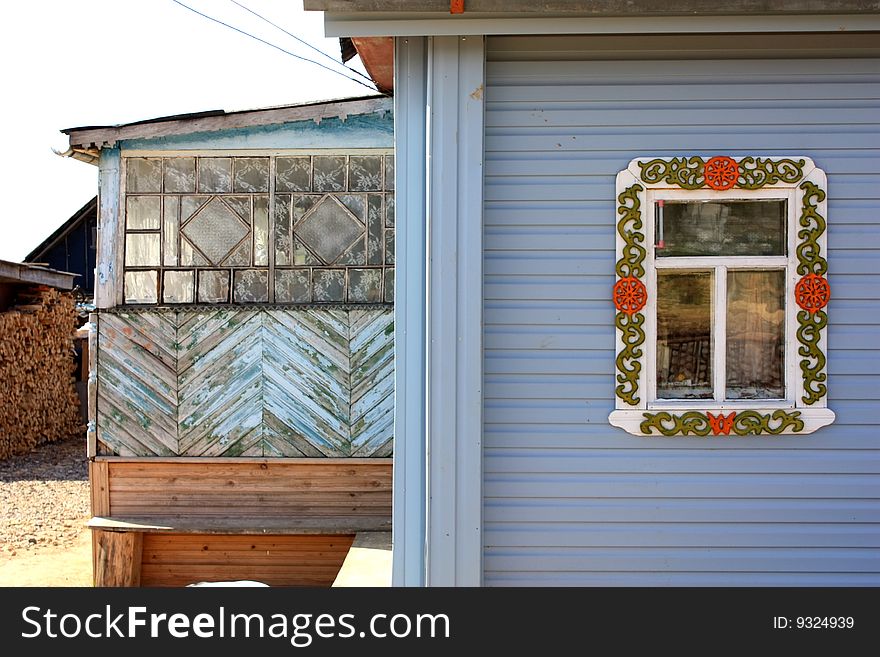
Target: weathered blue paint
{"type": "Point", "coordinates": [246, 382]}
{"type": "Point", "coordinates": [108, 271]}
{"type": "Point", "coordinates": [360, 131]}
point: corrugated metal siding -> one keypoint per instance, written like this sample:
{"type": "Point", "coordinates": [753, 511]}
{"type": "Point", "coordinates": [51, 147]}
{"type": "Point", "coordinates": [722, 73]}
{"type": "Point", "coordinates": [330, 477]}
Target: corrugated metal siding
{"type": "Point", "coordinates": [570, 500]}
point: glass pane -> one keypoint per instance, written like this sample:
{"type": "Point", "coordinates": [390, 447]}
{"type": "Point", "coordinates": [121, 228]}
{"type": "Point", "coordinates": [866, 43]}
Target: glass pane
{"type": "Point", "coordinates": [251, 174]}
{"type": "Point", "coordinates": [293, 286]}
{"type": "Point", "coordinates": [328, 285]}
{"type": "Point", "coordinates": [177, 286]}
{"type": "Point", "coordinates": [375, 225]}
{"type": "Point", "coordinates": [721, 228]}
{"type": "Point", "coordinates": [755, 334]}
{"type": "Point", "coordinates": [180, 174]}
{"type": "Point", "coordinates": [389, 172]}
{"type": "Point", "coordinates": [169, 244]}
{"type": "Point", "coordinates": [329, 173]}
{"type": "Point", "coordinates": [389, 285]}
{"type": "Point", "coordinates": [282, 230]}
{"type": "Point", "coordinates": [365, 173]}
{"type": "Point", "coordinates": [293, 174]}
{"type": "Point", "coordinates": [365, 285]}
{"type": "Point", "coordinates": [143, 212]}
{"type": "Point", "coordinates": [140, 287]}
{"type": "Point", "coordinates": [213, 286]}
{"type": "Point", "coordinates": [215, 230]}
{"type": "Point", "coordinates": [215, 174]}
{"type": "Point", "coordinates": [329, 230]}
{"type": "Point", "coordinates": [251, 285]}
{"type": "Point", "coordinates": [261, 230]}
{"type": "Point", "coordinates": [684, 335]}
{"type": "Point", "coordinates": [143, 174]}
{"type": "Point", "coordinates": [141, 249]}
{"type": "Point", "coordinates": [389, 210]}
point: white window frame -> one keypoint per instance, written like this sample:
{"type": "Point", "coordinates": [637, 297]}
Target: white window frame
{"type": "Point", "coordinates": [638, 410]}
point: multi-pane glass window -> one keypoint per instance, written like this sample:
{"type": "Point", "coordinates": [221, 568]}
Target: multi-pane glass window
{"type": "Point", "coordinates": [259, 229]}
{"type": "Point", "coordinates": [720, 299]}
{"type": "Point", "coordinates": [720, 296]}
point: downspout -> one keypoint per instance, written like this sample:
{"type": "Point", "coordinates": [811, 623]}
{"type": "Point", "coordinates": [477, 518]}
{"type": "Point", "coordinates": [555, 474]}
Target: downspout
{"type": "Point", "coordinates": [82, 156]}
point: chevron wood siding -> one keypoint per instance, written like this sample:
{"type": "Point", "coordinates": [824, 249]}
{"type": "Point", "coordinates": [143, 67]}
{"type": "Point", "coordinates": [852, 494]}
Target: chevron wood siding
{"type": "Point", "coordinates": [246, 382]}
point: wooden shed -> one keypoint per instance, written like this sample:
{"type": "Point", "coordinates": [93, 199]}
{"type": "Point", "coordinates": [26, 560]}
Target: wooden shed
{"type": "Point", "coordinates": [638, 315]}
{"type": "Point", "coordinates": [241, 389]}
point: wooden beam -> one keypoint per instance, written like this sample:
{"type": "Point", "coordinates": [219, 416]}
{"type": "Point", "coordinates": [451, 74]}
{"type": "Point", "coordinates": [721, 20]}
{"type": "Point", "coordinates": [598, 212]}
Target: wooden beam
{"type": "Point", "coordinates": [17, 272]}
{"type": "Point", "coordinates": [255, 526]}
{"type": "Point", "coordinates": [119, 556]}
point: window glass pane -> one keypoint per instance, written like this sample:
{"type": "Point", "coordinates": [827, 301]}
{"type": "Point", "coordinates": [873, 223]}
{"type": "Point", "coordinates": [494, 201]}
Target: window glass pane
{"type": "Point", "coordinates": [684, 335]}
{"type": "Point", "coordinates": [215, 174]}
{"type": "Point", "coordinates": [143, 212]}
{"type": "Point", "coordinates": [142, 250]}
{"type": "Point", "coordinates": [180, 174]}
{"type": "Point", "coordinates": [178, 287]}
{"type": "Point", "coordinates": [720, 228]}
{"type": "Point", "coordinates": [261, 230]}
{"type": "Point", "coordinates": [251, 174]}
{"type": "Point", "coordinates": [143, 175]}
{"type": "Point", "coordinates": [214, 286]}
{"type": "Point", "coordinates": [140, 287]}
{"type": "Point", "coordinates": [755, 334]}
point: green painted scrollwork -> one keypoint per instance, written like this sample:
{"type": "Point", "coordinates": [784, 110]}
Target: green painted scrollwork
{"type": "Point", "coordinates": [811, 325]}
{"type": "Point", "coordinates": [668, 424]}
{"type": "Point", "coordinates": [628, 364]}
{"type": "Point", "coordinates": [757, 172]}
{"type": "Point", "coordinates": [813, 358]}
{"type": "Point", "coordinates": [632, 257]}
{"type": "Point", "coordinates": [745, 423]}
{"type": "Point", "coordinates": [685, 172]}
{"type": "Point", "coordinates": [754, 172]}
{"type": "Point", "coordinates": [809, 253]}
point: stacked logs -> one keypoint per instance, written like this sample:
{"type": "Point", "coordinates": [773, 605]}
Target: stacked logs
{"type": "Point", "coordinates": [38, 403]}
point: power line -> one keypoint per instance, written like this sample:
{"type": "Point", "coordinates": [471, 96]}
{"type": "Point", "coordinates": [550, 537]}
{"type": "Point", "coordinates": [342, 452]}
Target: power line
{"type": "Point", "coordinates": [302, 41]}
{"type": "Point", "coordinates": [272, 45]}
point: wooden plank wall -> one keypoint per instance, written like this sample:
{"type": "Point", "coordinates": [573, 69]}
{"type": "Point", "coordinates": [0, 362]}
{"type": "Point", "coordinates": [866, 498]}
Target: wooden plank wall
{"type": "Point", "coordinates": [237, 490]}
{"type": "Point", "coordinates": [249, 489]}
{"type": "Point", "coordinates": [181, 559]}
{"type": "Point", "coordinates": [264, 382]}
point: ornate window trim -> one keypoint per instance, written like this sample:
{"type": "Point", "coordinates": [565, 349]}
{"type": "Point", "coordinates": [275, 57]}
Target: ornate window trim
{"type": "Point", "coordinates": [807, 292]}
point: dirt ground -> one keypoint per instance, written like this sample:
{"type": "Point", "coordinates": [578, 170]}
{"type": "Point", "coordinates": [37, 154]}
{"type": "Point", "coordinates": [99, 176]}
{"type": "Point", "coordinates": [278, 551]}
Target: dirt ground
{"type": "Point", "coordinates": [71, 566]}
{"type": "Point", "coordinates": [43, 510]}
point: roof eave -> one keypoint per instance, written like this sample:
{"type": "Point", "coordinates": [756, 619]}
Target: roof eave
{"type": "Point", "coordinates": [88, 141]}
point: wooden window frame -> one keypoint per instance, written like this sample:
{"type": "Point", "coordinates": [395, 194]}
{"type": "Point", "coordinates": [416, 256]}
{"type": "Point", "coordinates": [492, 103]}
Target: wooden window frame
{"type": "Point", "coordinates": [649, 179]}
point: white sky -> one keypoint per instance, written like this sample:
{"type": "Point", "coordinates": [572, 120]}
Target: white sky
{"type": "Point", "coordinates": [69, 63]}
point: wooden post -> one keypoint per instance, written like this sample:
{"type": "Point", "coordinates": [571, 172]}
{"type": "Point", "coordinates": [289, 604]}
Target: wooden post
{"type": "Point", "coordinates": [118, 558]}
{"type": "Point", "coordinates": [99, 485]}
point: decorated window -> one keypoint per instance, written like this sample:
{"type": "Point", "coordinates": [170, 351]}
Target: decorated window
{"type": "Point", "coordinates": [721, 297]}
{"type": "Point", "coordinates": [280, 229]}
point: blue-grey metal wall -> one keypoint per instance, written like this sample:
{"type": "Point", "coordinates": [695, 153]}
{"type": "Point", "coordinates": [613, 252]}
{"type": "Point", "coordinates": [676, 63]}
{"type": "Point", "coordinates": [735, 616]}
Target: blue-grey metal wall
{"type": "Point", "coordinates": [570, 500]}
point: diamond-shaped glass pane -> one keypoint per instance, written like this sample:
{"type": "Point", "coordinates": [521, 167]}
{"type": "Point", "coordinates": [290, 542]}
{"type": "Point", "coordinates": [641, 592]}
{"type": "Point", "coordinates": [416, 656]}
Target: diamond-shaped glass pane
{"type": "Point", "coordinates": [215, 230]}
{"type": "Point", "coordinates": [329, 229]}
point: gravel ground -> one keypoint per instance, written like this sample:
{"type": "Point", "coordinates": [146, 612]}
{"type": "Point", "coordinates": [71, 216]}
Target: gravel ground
{"type": "Point", "coordinates": [44, 498]}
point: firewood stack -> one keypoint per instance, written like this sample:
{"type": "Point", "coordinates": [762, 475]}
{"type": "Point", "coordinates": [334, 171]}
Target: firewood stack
{"type": "Point", "coordinates": [39, 400]}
